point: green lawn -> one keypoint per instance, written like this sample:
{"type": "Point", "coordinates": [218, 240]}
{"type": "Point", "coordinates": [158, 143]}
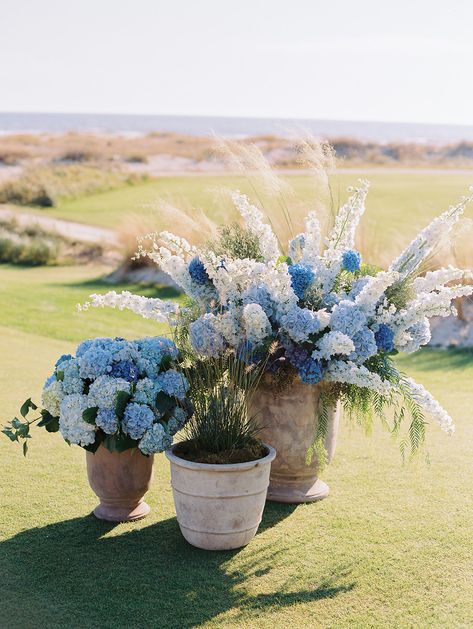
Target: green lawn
{"type": "Point", "coordinates": [395, 199]}
{"type": "Point", "coordinates": [391, 546]}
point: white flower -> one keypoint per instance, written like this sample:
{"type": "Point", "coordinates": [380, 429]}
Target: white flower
{"type": "Point", "coordinates": [147, 307]}
{"type": "Point", "coordinates": [71, 425]}
{"type": "Point", "coordinates": [52, 397]}
{"type": "Point", "coordinates": [332, 344]}
{"type": "Point", "coordinates": [430, 406]}
{"type": "Point", "coordinates": [373, 290]}
{"type": "Point", "coordinates": [340, 371]}
{"type": "Point", "coordinates": [256, 323]}
{"type": "Point", "coordinates": [311, 249]}
{"type": "Point", "coordinates": [253, 220]}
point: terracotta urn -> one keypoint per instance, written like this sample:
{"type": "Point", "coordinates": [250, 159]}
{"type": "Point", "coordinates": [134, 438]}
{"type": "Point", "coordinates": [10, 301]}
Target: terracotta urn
{"type": "Point", "coordinates": [120, 480]}
{"type": "Point", "coordinates": [289, 420]}
{"type": "Point", "coordinates": [219, 507]}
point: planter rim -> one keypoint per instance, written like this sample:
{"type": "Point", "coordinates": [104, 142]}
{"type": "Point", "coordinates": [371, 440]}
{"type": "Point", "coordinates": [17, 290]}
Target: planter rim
{"type": "Point", "coordinates": [219, 467]}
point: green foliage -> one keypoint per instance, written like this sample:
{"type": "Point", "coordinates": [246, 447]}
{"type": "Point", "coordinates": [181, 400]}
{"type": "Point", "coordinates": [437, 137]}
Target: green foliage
{"type": "Point", "coordinates": [121, 401]}
{"type": "Point", "coordinates": [18, 430]}
{"type": "Point", "coordinates": [400, 293]}
{"type": "Point", "coordinates": [220, 392]}
{"type": "Point", "coordinates": [90, 415]}
{"type": "Point", "coordinates": [236, 241]}
{"type": "Point", "coordinates": [27, 250]}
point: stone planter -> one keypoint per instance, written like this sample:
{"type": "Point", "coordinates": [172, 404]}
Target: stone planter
{"type": "Point", "coordinates": [289, 420]}
{"type": "Point", "coordinates": [219, 507]}
{"type": "Point", "coordinates": [120, 480]}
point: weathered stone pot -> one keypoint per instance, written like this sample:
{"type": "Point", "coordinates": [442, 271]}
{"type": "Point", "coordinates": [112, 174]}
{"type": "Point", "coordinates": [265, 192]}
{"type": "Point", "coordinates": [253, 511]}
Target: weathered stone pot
{"type": "Point", "coordinates": [289, 420]}
{"type": "Point", "coordinates": [219, 507]}
{"type": "Point", "coordinates": [120, 480]}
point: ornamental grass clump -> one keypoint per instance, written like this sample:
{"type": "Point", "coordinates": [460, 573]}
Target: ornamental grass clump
{"type": "Point", "coordinates": [333, 317]}
{"type": "Point", "coordinates": [116, 393]}
{"type": "Point", "coordinates": [222, 429]}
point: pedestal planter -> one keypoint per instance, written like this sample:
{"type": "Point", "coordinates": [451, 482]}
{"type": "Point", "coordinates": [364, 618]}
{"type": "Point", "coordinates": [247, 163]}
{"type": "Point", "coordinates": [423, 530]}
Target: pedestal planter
{"type": "Point", "coordinates": [120, 480]}
{"type": "Point", "coordinates": [219, 507]}
{"type": "Point", "coordinates": [289, 420]}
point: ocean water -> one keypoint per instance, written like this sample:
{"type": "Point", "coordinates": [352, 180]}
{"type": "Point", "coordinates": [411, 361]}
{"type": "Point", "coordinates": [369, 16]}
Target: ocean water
{"type": "Point", "coordinates": [231, 127]}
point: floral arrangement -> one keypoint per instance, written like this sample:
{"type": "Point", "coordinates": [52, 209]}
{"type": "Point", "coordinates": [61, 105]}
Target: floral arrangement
{"type": "Point", "coordinates": [316, 309]}
{"type": "Point", "coordinates": [122, 394]}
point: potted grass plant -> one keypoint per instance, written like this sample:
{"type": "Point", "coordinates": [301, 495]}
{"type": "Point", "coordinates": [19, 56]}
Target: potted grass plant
{"type": "Point", "coordinates": [220, 472]}
{"type": "Point", "coordinates": [121, 401]}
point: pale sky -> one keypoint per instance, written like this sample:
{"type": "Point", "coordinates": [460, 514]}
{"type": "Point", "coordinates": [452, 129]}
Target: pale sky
{"type": "Point", "coordinates": [400, 60]}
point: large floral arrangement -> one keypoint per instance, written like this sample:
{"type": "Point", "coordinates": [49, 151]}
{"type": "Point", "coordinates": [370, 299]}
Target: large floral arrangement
{"type": "Point", "coordinates": [322, 314]}
{"type": "Point", "coordinates": [122, 394]}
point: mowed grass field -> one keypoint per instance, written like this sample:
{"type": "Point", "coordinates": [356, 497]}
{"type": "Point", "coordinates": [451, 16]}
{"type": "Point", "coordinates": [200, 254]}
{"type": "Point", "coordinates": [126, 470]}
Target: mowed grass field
{"type": "Point", "coordinates": [391, 547]}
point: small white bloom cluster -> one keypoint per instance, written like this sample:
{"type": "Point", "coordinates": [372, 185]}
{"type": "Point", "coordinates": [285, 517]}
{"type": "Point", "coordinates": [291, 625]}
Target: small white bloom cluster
{"type": "Point", "coordinates": [431, 406]}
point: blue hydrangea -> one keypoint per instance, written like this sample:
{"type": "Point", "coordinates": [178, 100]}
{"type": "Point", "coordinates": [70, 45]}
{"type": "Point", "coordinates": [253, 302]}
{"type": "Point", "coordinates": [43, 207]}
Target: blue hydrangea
{"type": "Point", "coordinates": [177, 421]}
{"type": "Point", "coordinates": [122, 350]}
{"type": "Point", "coordinates": [197, 271]}
{"type": "Point", "coordinates": [103, 392]}
{"type": "Point", "coordinates": [330, 300]}
{"type": "Point", "coordinates": [259, 294]}
{"type": "Point", "coordinates": [204, 337]}
{"type": "Point", "coordinates": [146, 391]}
{"type": "Point", "coordinates": [152, 351]}
{"type": "Point", "coordinates": [384, 338]}
{"type": "Point", "coordinates": [107, 420]}
{"type": "Point", "coordinates": [156, 439]}
{"type": "Point", "coordinates": [137, 419]}
{"type": "Point", "coordinates": [299, 323]}
{"type": "Point", "coordinates": [173, 383]}
{"type": "Point", "coordinates": [365, 345]}
{"type": "Point", "coordinates": [125, 369]}
{"type": "Point", "coordinates": [347, 318]}
{"type": "Point", "coordinates": [62, 359]}
{"type": "Point", "coordinates": [311, 371]}
{"type": "Point", "coordinates": [98, 343]}
{"type": "Point", "coordinates": [301, 278]}
{"type": "Point", "coordinates": [248, 353]}
{"type": "Point", "coordinates": [351, 260]}
{"type": "Point", "coordinates": [296, 355]}
{"type": "Point", "coordinates": [49, 381]}
{"type": "Point", "coordinates": [72, 381]}
{"type": "Point", "coordinates": [95, 362]}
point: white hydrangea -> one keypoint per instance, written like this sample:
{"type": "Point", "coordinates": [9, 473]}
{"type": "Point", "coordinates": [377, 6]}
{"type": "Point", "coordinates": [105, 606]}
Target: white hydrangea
{"type": "Point", "coordinates": [332, 344]}
{"type": "Point", "coordinates": [430, 406]}
{"type": "Point", "coordinates": [228, 324]}
{"type": "Point", "coordinates": [71, 425]}
{"type": "Point", "coordinates": [52, 397]}
{"type": "Point", "coordinates": [256, 323]}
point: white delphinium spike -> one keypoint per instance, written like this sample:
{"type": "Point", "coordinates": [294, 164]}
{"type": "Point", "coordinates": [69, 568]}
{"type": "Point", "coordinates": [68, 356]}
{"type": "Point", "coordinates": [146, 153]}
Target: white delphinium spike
{"type": "Point", "coordinates": [278, 281]}
{"type": "Point", "coordinates": [349, 372]}
{"type": "Point", "coordinates": [342, 236]}
{"type": "Point", "coordinates": [311, 249]}
{"type": "Point", "coordinates": [428, 239]}
{"type": "Point", "coordinates": [253, 220]}
{"type": "Point", "coordinates": [175, 244]}
{"type": "Point", "coordinates": [231, 277]}
{"type": "Point", "coordinates": [430, 405]}
{"type": "Point", "coordinates": [147, 307]}
{"type": "Point", "coordinates": [436, 279]}
{"type": "Point", "coordinates": [374, 289]}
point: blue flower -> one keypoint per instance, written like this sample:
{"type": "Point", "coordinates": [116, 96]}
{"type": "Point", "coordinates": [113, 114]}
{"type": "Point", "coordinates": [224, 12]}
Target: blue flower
{"type": "Point", "coordinates": [248, 354]}
{"type": "Point", "coordinates": [152, 351]}
{"type": "Point", "coordinates": [365, 345]}
{"type": "Point", "coordinates": [173, 383]}
{"type": "Point", "coordinates": [351, 260]}
{"type": "Point", "coordinates": [125, 369]}
{"type": "Point", "coordinates": [49, 381]}
{"type": "Point", "coordinates": [296, 355]}
{"type": "Point", "coordinates": [384, 338]}
{"type": "Point", "coordinates": [301, 278]}
{"type": "Point", "coordinates": [311, 371]}
{"type": "Point", "coordinates": [137, 419]}
{"type": "Point", "coordinates": [156, 439]}
{"type": "Point", "coordinates": [204, 336]}
{"type": "Point", "coordinates": [197, 271]}
{"type": "Point", "coordinates": [347, 318]}
{"type": "Point", "coordinates": [72, 382]}
{"type": "Point", "coordinates": [107, 420]}
{"type": "Point", "coordinates": [259, 294]}
{"type": "Point", "coordinates": [94, 362]}
{"type": "Point", "coordinates": [63, 359]}
{"type": "Point", "coordinates": [299, 323]}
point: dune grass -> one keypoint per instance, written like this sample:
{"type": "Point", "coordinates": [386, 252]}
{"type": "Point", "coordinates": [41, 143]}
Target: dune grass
{"type": "Point", "coordinates": [391, 546]}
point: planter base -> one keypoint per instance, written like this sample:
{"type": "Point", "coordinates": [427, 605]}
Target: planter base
{"type": "Point", "coordinates": [297, 492]}
{"type": "Point", "coordinates": [218, 541]}
{"type": "Point", "coordinates": [121, 513]}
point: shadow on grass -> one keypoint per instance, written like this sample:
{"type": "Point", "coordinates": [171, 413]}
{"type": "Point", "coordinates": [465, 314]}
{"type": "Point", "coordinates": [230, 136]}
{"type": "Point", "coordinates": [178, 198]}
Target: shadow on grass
{"type": "Point", "coordinates": [430, 359]}
{"type": "Point", "coordinates": [74, 573]}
